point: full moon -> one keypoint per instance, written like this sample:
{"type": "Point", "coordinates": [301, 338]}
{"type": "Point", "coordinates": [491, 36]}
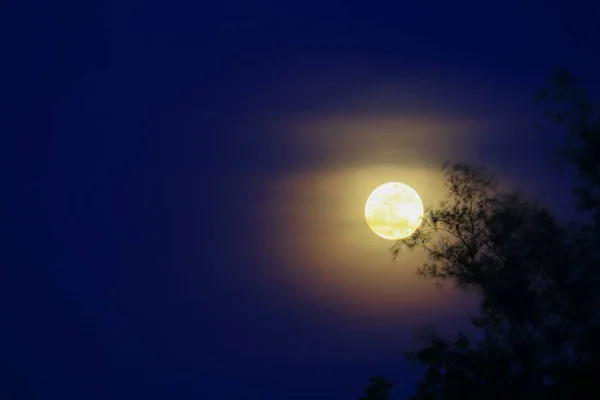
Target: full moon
{"type": "Point", "coordinates": [394, 211]}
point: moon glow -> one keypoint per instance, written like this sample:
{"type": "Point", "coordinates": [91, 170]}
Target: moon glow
{"type": "Point", "coordinates": [394, 211]}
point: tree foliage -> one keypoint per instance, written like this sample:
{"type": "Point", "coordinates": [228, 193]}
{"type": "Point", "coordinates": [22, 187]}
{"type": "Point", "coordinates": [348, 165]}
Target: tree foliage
{"type": "Point", "coordinates": [378, 389]}
{"type": "Point", "coordinates": [566, 103]}
{"type": "Point", "coordinates": [539, 280]}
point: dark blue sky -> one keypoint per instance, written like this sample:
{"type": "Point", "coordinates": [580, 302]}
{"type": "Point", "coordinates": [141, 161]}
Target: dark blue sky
{"type": "Point", "coordinates": [183, 183]}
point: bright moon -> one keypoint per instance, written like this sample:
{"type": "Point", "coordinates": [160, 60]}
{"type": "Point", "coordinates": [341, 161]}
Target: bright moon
{"type": "Point", "coordinates": [394, 211]}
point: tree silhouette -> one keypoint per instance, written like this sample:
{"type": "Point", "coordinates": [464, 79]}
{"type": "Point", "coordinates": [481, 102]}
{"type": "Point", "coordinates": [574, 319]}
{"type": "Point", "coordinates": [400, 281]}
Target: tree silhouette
{"type": "Point", "coordinates": [569, 105]}
{"type": "Point", "coordinates": [539, 280]}
{"type": "Point", "coordinates": [378, 389]}
{"type": "Point", "coordinates": [510, 250]}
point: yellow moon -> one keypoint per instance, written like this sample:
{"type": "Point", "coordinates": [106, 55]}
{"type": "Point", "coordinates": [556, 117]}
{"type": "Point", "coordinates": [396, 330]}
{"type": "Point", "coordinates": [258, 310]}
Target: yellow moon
{"type": "Point", "coordinates": [394, 211]}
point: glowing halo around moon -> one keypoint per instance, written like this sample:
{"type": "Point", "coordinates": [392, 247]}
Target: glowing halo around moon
{"type": "Point", "coordinates": [394, 211]}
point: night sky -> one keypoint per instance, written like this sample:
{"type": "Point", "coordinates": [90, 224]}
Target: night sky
{"type": "Point", "coordinates": [184, 184]}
